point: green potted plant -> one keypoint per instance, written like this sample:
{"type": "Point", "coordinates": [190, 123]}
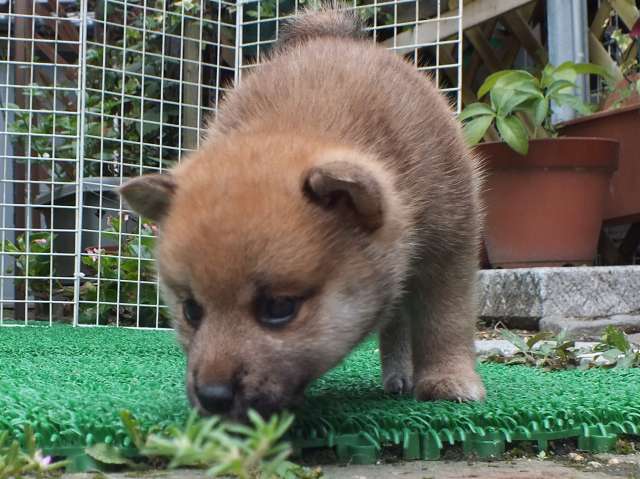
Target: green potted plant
{"type": "Point", "coordinates": [120, 281]}
{"type": "Point", "coordinates": [619, 118]}
{"type": "Point", "coordinates": [35, 276]}
{"type": "Point", "coordinates": [544, 195]}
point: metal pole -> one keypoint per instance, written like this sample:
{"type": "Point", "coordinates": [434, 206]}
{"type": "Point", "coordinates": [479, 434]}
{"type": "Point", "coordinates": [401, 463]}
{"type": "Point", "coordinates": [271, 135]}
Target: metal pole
{"type": "Point", "coordinates": [568, 29]}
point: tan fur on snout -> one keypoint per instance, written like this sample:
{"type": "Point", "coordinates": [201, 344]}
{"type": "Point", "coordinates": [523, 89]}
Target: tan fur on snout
{"type": "Point", "coordinates": [335, 173]}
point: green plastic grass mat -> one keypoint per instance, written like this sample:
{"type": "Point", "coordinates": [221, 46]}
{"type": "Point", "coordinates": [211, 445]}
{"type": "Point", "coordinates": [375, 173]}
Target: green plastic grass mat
{"type": "Point", "coordinates": [70, 385]}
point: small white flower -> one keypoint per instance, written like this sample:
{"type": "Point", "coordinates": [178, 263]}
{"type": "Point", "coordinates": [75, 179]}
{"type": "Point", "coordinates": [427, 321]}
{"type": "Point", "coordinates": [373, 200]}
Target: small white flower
{"type": "Point", "coordinates": [94, 253]}
{"type": "Point", "coordinates": [42, 461]}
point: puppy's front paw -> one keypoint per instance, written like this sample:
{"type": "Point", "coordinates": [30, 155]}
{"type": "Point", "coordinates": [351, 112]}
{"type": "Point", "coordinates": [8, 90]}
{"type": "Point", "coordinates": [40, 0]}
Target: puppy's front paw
{"type": "Point", "coordinates": [454, 386]}
{"type": "Point", "coordinates": [397, 383]}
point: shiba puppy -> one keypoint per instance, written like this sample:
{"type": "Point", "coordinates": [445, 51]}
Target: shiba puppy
{"type": "Point", "coordinates": [332, 196]}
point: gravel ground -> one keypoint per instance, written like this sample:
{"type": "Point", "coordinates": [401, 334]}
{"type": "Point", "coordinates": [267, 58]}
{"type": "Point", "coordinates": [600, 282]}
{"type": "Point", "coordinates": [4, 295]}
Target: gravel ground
{"type": "Point", "coordinates": [572, 466]}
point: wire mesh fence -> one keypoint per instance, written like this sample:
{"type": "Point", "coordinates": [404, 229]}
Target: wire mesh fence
{"type": "Point", "coordinates": [40, 48]}
{"type": "Point", "coordinates": [427, 33]}
{"type": "Point", "coordinates": [93, 92]}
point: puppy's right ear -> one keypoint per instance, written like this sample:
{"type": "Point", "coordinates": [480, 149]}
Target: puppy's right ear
{"type": "Point", "coordinates": [150, 195]}
{"type": "Point", "coordinates": [347, 187]}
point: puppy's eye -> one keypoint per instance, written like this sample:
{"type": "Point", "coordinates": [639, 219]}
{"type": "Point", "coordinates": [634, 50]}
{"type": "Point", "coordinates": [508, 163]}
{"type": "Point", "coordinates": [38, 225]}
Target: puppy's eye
{"type": "Point", "coordinates": [192, 312]}
{"type": "Point", "coordinates": [277, 311]}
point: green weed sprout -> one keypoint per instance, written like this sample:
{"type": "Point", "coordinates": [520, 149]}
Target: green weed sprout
{"type": "Point", "coordinates": [254, 451]}
{"type": "Point", "coordinates": [17, 461]}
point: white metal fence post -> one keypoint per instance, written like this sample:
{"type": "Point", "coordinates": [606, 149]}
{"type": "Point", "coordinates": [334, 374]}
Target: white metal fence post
{"type": "Point", "coordinates": [77, 274]}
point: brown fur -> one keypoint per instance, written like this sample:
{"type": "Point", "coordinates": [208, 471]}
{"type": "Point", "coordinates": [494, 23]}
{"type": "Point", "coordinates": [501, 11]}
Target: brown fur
{"type": "Point", "coordinates": [336, 172]}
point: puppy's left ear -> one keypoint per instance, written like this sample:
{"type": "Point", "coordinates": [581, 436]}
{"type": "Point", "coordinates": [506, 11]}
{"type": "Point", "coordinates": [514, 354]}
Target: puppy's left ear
{"type": "Point", "coordinates": [348, 189]}
{"type": "Point", "coordinates": [150, 195]}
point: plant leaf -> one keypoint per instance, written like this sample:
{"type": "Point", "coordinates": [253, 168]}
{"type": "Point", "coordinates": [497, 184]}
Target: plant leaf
{"type": "Point", "coordinates": [514, 339]}
{"type": "Point", "coordinates": [574, 102]}
{"type": "Point", "coordinates": [475, 109]}
{"type": "Point", "coordinates": [490, 81]}
{"type": "Point", "coordinates": [475, 129]}
{"type": "Point", "coordinates": [29, 440]}
{"type": "Point", "coordinates": [616, 338]}
{"type": "Point", "coordinates": [590, 69]}
{"type": "Point", "coordinates": [547, 76]}
{"type": "Point", "coordinates": [107, 454]}
{"type": "Point", "coordinates": [515, 100]}
{"type": "Point", "coordinates": [570, 71]}
{"type": "Point", "coordinates": [536, 338]}
{"type": "Point", "coordinates": [133, 428]}
{"type": "Point", "coordinates": [504, 90]}
{"type": "Point", "coordinates": [513, 133]}
{"type": "Point", "coordinates": [612, 355]}
{"type": "Point", "coordinates": [558, 86]}
{"type": "Point", "coordinates": [626, 361]}
{"type": "Point", "coordinates": [505, 78]}
{"type": "Point", "coordinates": [530, 87]}
{"type": "Point", "coordinates": [540, 111]}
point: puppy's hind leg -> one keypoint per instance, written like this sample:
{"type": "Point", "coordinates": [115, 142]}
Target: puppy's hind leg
{"type": "Point", "coordinates": [442, 335]}
{"type": "Point", "coordinates": [395, 352]}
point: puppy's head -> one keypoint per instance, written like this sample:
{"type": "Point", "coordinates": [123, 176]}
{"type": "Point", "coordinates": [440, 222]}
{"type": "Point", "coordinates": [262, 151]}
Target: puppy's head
{"type": "Point", "coordinates": [277, 257]}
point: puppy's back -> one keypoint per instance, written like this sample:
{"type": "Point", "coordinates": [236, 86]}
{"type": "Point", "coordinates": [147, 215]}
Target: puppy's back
{"type": "Point", "coordinates": [325, 81]}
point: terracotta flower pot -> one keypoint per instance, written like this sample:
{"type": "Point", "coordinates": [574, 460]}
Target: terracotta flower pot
{"type": "Point", "coordinates": [622, 124]}
{"type": "Point", "coordinates": [545, 209]}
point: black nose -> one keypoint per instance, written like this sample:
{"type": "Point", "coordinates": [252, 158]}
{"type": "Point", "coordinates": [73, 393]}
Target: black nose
{"type": "Point", "coordinates": [215, 398]}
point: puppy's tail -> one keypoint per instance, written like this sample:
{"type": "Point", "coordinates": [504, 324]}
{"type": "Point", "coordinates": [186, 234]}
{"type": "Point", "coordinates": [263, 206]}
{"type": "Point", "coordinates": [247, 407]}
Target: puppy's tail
{"type": "Point", "coordinates": [322, 21]}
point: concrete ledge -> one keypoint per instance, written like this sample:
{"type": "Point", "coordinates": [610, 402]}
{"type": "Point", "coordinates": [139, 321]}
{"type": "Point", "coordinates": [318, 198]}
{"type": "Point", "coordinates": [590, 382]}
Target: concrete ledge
{"type": "Point", "coordinates": [528, 294]}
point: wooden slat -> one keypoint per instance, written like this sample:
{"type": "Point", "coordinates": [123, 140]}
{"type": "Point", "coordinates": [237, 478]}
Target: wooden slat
{"type": "Point", "coordinates": [507, 55]}
{"type": "Point", "coordinates": [600, 56]}
{"type": "Point", "coordinates": [510, 55]}
{"type": "Point", "coordinates": [599, 23]}
{"type": "Point", "coordinates": [511, 51]}
{"type": "Point", "coordinates": [520, 28]}
{"type": "Point", "coordinates": [49, 50]}
{"type": "Point", "coordinates": [474, 14]}
{"type": "Point", "coordinates": [66, 31]}
{"type": "Point", "coordinates": [476, 37]}
{"type": "Point", "coordinates": [627, 12]}
{"type": "Point", "coordinates": [475, 63]}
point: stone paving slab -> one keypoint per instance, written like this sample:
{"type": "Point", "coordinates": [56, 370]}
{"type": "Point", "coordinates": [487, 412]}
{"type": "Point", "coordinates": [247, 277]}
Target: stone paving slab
{"type": "Point", "coordinates": [517, 469]}
{"type": "Point", "coordinates": [517, 296]}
